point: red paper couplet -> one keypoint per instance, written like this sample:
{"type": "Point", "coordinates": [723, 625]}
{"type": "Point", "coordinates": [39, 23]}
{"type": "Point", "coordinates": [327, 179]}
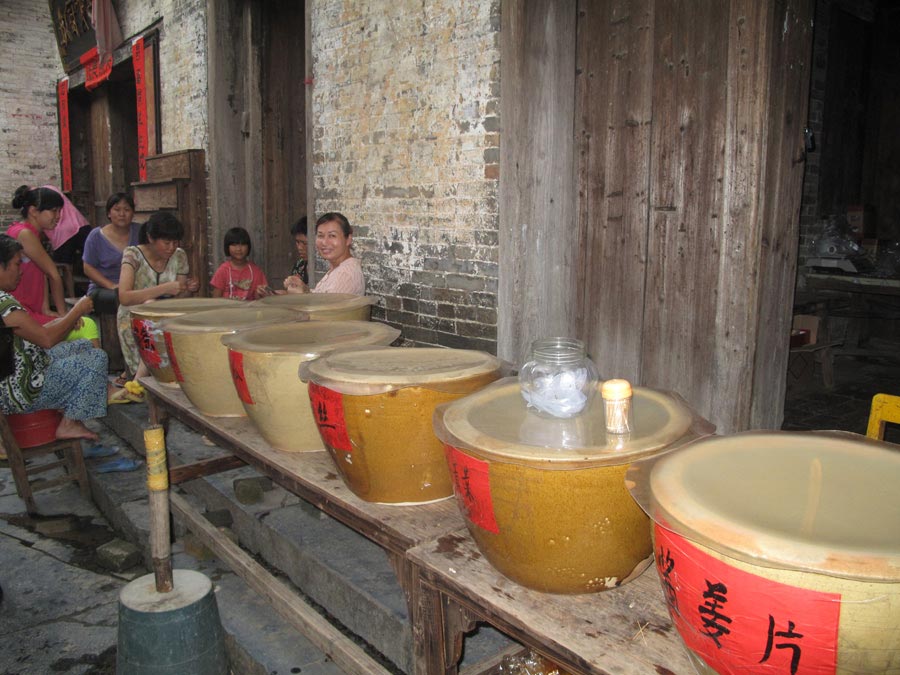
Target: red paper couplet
{"type": "Point", "coordinates": [328, 411]}
{"type": "Point", "coordinates": [168, 338]}
{"type": "Point", "coordinates": [95, 70]}
{"type": "Point", "coordinates": [236, 362]}
{"type": "Point", "coordinates": [472, 485]}
{"type": "Point", "coordinates": [146, 343]}
{"type": "Point", "coordinates": [140, 89]}
{"type": "Point", "coordinates": [741, 623]}
{"type": "Point", "coordinates": [62, 92]}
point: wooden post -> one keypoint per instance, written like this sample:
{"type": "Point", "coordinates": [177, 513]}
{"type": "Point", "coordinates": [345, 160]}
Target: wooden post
{"type": "Point", "coordinates": [158, 487]}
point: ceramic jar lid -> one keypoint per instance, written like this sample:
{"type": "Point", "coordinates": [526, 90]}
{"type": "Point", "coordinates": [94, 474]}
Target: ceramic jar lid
{"type": "Point", "coordinates": [495, 422]}
{"type": "Point", "coordinates": [179, 306]}
{"type": "Point", "coordinates": [310, 338]}
{"type": "Point", "coordinates": [819, 501]}
{"type": "Point", "coordinates": [375, 370]}
{"type": "Point", "coordinates": [318, 302]}
{"type": "Point", "coordinates": [227, 320]}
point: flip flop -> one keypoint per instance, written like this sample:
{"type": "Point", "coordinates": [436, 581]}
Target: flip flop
{"type": "Point", "coordinates": [121, 464]}
{"type": "Point", "coordinates": [96, 451]}
{"type": "Point", "coordinates": [120, 381]}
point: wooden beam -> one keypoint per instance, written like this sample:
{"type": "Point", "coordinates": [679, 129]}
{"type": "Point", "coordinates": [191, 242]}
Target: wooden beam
{"type": "Point", "coordinates": [345, 653]}
{"type": "Point", "coordinates": [206, 467]}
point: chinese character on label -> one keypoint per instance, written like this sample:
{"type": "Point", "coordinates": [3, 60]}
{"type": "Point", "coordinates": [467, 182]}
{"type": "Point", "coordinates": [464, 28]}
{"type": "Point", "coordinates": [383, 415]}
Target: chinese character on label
{"type": "Point", "coordinates": [328, 411]}
{"type": "Point", "coordinates": [143, 336]}
{"type": "Point", "coordinates": [472, 485]}
{"type": "Point", "coordinates": [739, 622]}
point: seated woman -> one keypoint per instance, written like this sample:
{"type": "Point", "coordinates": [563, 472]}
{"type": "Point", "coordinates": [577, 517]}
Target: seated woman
{"type": "Point", "coordinates": [156, 268]}
{"type": "Point", "coordinates": [49, 373]}
{"type": "Point", "coordinates": [334, 237]}
{"type": "Point", "coordinates": [41, 209]}
{"type": "Point", "coordinates": [103, 251]}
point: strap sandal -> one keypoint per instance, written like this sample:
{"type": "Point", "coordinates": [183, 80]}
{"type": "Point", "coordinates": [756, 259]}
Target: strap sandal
{"type": "Point", "coordinates": [117, 465]}
{"type": "Point", "coordinates": [120, 380]}
{"type": "Point", "coordinates": [120, 396]}
{"type": "Point", "coordinates": [96, 451]}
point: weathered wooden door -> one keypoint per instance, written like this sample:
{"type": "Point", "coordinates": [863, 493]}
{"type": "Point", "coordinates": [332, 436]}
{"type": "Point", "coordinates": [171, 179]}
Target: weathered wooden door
{"type": "Point", "coordinates": [257, 126]}
{"type": "Point", "coordinates": [652, 155]}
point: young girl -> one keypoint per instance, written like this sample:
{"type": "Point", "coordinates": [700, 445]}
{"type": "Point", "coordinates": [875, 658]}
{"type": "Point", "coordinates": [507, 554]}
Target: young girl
{"type": "Point", "coordinates": [237, 277]}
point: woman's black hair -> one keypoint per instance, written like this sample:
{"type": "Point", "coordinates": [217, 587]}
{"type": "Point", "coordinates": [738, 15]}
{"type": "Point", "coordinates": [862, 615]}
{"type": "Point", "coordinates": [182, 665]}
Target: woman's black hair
{"type": "Point", "coordinates": [338, 218]}
{"type": "Point", "coordinates": [237, 235]}
{"type": "Point", "coordinates": [43, 199]}
{"type": "Point", "coordinates": [299, 227]}
{"type": "Point", "coordinates": [117, 197]}
{"type": "Point", "coordinates": [162, 225]}
{"type": "Point", "coordinates": [8, 248]}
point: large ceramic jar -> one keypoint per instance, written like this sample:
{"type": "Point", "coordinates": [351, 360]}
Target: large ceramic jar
{"type": "Point", "coordinates": [200, 360]}
{"type": "Point", "coordinates": [325, 306]}
{"type": "Point", "coordinates": [545, 499]}
{"type": "Point", "coordinates": [149, 337]}
{"type": "Point", "coordinates": [265, 364]}
{"type": "Point", "coordinates": [374, 409]}
{"type": "Point", "coordinates": [779, 551]}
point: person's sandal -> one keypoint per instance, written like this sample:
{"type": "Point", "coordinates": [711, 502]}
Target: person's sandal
{"type": "Point", "coordinates": [120, 380]}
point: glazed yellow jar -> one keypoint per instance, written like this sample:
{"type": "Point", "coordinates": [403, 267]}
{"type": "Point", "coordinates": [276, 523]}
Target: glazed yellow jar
{"type": "Point", "coordinates": [264, 366]}
{"type": "Point", "coordinates": [545, 499]}
{"type": "Point", "coordinates": [780, 551]}
{"type": "Point", "coordinates": [374, 409]}
{"type": "Point", "coordinates": [149, 338]}
{"type": "Point", "coordinates": [200, 360]}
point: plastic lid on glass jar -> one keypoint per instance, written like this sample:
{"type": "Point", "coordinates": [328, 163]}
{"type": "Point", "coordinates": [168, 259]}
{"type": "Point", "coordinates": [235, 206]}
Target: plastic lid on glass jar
{"type": "Point", "coordinates": [495, 422]}
{"type": "Point", "coordinates": [376, 370]}
{"type": "Point", "coordinates": [813, 501]}
{"type": "Point", "coordinates": [228, 320]}
{"type": "Point", "coordinates": [310, 338]}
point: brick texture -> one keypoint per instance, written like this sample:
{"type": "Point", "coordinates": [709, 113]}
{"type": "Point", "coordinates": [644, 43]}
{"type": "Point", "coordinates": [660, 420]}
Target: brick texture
{"type": "Point", "coordinates": [29, 68]}
{"type": "Point", "coordinates": [406, 145]}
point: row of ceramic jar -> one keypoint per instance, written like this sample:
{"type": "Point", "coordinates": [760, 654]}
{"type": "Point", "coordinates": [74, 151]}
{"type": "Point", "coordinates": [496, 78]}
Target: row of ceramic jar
{"type": "Point", "coordinates": [753, 535]}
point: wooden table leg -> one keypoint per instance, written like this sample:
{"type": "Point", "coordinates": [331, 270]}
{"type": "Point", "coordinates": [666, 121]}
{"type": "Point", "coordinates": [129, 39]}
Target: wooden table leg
{"type": "Point", "coordinates": [439, 625]}
{"type": "Point", "coordinates": [157, 413]}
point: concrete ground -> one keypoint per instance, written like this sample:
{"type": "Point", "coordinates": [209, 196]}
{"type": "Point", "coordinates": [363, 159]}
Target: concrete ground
{"type": "Point", "coordinates": [59, 610]}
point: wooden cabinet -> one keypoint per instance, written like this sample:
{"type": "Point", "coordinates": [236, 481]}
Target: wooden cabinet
{"type": "Point", "coordinates": [176, 182]}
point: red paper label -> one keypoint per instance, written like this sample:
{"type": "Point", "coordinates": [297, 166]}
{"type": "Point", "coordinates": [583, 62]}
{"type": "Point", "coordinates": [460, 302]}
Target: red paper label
{"type": "Point", "coordinates": [62, 91]}
{"type": "Point", "coordinates": [236, 361]}
{"type": "Point", "coordinates": [146, 343]}
{"type": "Point", "coordinates": [140, 90]}
{"type": "Point", "coordinates": [328, 411]}
{"type": "Point", "coordinates": [472, 485]}
{"type": "Point", "coordinates": [168, 338]}
{"type": "Point", "coordinates": [743, 623]}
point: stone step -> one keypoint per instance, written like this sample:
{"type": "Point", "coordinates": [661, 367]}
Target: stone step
{"type": "Point", "coordinates": [338, 570]}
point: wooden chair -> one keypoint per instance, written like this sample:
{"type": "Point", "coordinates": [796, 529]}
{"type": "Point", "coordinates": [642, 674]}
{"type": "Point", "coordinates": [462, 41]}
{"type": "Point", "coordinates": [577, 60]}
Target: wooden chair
{"type": "Point", "coordinates": [885, 408]}
{"type": "Point", "coordinates": [69, 457]}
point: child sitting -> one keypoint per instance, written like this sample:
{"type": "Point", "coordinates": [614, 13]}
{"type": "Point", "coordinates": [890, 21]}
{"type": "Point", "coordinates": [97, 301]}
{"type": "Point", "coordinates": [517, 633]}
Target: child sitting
{"type": "Point", "coordinates": [237, 277]}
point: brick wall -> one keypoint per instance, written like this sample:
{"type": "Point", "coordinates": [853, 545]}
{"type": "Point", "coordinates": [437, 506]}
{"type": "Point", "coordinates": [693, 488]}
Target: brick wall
{"type": "Point", "coordinates": [406, 145]}
{"type": "Point", "coordinates": [183, 65]}
{"type": "Point", "coordinates": [29, 67]}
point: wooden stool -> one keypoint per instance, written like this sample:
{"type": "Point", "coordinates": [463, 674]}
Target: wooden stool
{"type": "Point", "coordinates": [69, 457]}
{"type": "Point", "coordinates": [885, 408]}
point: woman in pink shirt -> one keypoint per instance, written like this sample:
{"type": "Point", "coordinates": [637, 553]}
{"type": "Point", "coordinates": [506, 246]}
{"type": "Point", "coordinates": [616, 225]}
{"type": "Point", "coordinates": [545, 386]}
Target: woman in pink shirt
{"type": "Point", "coordinates": [334, 236]}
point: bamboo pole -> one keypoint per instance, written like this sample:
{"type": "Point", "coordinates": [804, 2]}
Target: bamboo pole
{"type": "Point", "coordinates": [158, 487]}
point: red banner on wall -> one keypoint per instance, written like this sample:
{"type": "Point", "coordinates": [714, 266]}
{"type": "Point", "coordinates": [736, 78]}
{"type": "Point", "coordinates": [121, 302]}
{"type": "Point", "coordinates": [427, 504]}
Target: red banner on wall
{"type": "Point", "coordinates": [62, 94]}
{"type": "Point", "coordinates": [140, 87]}
{"type": "Point", "coordinates": [95, 70]}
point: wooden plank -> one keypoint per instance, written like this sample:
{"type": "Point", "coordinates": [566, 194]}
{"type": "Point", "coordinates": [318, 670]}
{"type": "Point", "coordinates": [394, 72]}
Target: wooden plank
{"type": "Point", "coordinates": [612, 134]}
{"type": "Point", "coordinates": [678, 345]}
{"type": "Point", "coordinates": [789, 44]}
{"type": "Point", "coordinates": [169, 166]}
{"type": "Point", "coordinates": [154, 197]}
{"type": "Point", "coordinates": [538, 244]}
{"type": "Point", "coordinates": [339, 648]}
{"type": "Point", "coordinates": [206, 467]}
{"type": "Point", "coordinates": [151, 83]}
{"type": "Point", "coordinates": [622, 630]}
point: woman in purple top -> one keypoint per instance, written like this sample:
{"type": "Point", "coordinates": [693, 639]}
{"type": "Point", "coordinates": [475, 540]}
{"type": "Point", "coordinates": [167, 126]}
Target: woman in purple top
{"type": "Point", "coordinates": [103, 250]}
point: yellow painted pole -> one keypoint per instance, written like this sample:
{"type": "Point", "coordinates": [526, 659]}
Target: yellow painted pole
{"type": "Point", "coordinates": [158, 487]}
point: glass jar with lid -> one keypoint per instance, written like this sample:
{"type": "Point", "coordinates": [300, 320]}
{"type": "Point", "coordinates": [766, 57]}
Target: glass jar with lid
{"type": "Point", "coordinates": [560, 379]}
